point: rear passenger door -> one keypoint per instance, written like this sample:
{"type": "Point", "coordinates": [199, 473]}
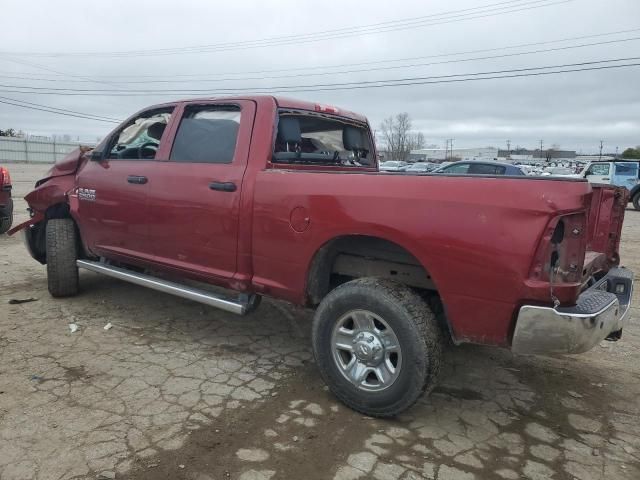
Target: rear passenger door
{"type": "Point", "coordinates": [194, 200]}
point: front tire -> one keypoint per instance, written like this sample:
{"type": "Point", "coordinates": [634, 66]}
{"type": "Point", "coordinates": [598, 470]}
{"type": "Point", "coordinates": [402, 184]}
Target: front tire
{"type": "Point", "coordinates": [377, 345]}
{"type": "Point", "coordinates": [636, 201]}
{"type": "Point", "coordinates": [62, 253]}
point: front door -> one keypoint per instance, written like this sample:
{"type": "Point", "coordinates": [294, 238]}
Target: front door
{"type": "Point", "coordinates": [599, 173]}
{"type": "Point", "coordinates": [194, 196]}
{"type": "Point", "coordinates": [112, 190]}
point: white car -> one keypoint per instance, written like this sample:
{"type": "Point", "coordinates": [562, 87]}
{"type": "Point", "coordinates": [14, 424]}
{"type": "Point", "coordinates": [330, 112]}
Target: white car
{"type": "Point", "coordinates": [421, 167]}
{"type": "Point", "coordinates": [393, 166]}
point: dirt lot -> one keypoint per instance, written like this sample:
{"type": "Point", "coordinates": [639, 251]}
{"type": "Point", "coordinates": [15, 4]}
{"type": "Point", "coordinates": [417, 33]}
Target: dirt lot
{"type": "Point", "coordinates": [176, 390]}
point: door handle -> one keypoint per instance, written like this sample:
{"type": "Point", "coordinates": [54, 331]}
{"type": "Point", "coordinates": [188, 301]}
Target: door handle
{"type": "Point", "coordinates": [223, 186]}
{"type": "Point", "coordinates": [137, 179]}
{"type": "Point", "coordinates": [606, 179]}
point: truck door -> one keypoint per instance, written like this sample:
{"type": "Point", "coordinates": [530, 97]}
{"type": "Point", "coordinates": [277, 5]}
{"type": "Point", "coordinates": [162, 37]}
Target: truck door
{"type": "Point", "coordinates": [625, 174]}
{"type": "Point", "coordinates": [599, 172]}
{"type": "Point", "coordinates": [194, 198]}
{"type": "Point", "coordinates": [111, 207]}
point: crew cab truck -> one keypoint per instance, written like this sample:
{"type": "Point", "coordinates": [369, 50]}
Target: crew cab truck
{"type": "Point", "coordinates": [275, 197]}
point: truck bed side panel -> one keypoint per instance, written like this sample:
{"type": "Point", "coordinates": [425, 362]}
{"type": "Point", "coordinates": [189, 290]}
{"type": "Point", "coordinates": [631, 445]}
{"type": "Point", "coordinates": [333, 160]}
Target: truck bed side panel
{"type": "Point", "coordinates": [475, 236]}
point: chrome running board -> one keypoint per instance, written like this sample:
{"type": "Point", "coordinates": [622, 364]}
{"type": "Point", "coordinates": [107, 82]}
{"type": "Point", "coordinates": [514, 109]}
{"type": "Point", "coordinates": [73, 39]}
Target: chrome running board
{"type": "Point", "coordinates": [244, 304]}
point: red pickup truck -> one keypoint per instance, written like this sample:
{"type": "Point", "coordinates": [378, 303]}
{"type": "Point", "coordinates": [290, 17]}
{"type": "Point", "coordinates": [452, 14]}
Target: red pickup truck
{"type": "Point", "coordinates": [275, 197]}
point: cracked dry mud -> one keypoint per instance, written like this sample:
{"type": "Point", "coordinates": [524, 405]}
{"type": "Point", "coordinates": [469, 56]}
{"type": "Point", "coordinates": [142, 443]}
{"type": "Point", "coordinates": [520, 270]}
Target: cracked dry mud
{"type": "Point", "coordinates": [176, 390]}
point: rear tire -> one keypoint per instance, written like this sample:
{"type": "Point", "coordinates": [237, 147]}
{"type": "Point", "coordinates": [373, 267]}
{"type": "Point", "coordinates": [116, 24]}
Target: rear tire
{"type": "Point", "coordinates": [371, 315]}
{"type": "Point", "coordinates": [636, 201]}
{"type": "Point", "coordinates": [62, 253]}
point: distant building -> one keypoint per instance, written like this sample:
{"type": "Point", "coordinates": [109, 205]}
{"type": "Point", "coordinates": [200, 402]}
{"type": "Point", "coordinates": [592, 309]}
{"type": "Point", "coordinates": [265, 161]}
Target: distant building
{"type": "Point", "coordinates": [443, 154]}
{"type": "Point", "coordinates": [523, 155]}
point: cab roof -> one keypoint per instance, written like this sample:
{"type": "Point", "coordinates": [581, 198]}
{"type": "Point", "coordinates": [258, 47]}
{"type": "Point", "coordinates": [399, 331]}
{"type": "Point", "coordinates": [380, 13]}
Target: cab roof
{"type": "Point", "coordinates": [281, 102]}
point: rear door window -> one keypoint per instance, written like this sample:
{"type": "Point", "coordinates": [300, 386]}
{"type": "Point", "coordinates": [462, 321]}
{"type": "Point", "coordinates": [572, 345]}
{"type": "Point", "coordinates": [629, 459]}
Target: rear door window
{"type": "Point", "coordinates": [207, 134]}
{"type": "Point", "coordinates": [460, 168]}
{"type": "Point", "coordinates": [623, 169]}
{"type": "Point", "coordinates": [485, 169]}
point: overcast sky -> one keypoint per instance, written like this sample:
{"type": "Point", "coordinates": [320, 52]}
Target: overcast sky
{"type": "Point", "coordinates": [573, 110]}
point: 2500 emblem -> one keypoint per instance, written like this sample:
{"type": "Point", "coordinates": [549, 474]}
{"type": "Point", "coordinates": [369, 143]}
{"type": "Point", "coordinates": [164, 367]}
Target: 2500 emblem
{"type": "Point", "coordinates": [88, 194]}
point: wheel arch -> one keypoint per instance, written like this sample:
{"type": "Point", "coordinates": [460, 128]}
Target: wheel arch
{"type": "Point", "coordinates": [35, 235]}
{"type": "Point", "coordinates": [350, 256]}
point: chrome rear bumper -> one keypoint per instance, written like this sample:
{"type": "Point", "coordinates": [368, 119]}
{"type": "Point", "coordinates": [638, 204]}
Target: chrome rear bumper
{"type": "Point", "coordinates": [601, 310]}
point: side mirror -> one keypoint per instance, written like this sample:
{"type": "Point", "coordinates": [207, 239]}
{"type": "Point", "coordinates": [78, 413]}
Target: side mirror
{"type": "Point", "coordinates": [96, 155]}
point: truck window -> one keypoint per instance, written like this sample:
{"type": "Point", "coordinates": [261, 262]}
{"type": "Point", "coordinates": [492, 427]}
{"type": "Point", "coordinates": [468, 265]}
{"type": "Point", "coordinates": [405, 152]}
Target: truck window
{"type": "Point", "coordinates": [321, 140]}
{"type": "Point", "coordinates": [459, 168]}
{"type": "Point", "coordinates": [140, 139]}
{"type": "Point", "coordinates": [485, 169]}
{"type": "Point", "coordinates": [598, 169]}
{"type": "Point", "coordinates": [207, 134]}
{"type": "Point", "coordinates": [625, 170]}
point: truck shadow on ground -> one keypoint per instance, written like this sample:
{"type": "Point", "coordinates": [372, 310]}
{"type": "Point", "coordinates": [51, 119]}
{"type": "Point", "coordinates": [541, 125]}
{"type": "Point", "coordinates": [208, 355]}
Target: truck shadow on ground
{"type": "Point", "coordinates": [493, 415]}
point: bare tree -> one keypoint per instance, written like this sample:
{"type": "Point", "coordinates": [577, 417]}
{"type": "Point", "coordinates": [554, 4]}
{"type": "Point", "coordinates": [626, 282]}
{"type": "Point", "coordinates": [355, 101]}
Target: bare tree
{"type": "Point", "coordinates": [10, 132]}
{"type": "Point", "coordinates": [399, 139]}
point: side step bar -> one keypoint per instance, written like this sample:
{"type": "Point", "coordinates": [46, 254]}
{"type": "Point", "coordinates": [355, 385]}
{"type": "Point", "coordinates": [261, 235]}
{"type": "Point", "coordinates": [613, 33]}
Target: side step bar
{"type": "Point", "coordinates": [202, 296]}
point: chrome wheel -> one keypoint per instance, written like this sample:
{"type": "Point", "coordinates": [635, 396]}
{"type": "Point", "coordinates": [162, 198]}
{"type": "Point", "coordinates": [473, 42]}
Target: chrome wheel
{"type": "Point", "coordinates": [366, 350]}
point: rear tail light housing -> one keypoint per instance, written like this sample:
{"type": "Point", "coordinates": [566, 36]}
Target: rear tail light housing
{"type": "Point", "coordinates": [5, 178]}
{"type": "Point", "coordinates": [561, 252]}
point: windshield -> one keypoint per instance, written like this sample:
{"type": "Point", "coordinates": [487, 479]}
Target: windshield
{"type": "Point", "coordinates": [318, 139]}
{"type": "Point", "coordinates": [144, 133]}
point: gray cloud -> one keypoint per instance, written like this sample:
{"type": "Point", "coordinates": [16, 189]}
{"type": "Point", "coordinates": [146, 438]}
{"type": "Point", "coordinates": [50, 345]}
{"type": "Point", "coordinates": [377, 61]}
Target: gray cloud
{"type": "Point", "coordinates": [574, 110]}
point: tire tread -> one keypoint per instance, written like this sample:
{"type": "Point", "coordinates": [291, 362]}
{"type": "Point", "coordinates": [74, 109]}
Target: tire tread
{"type": "Point", "coordinates": [426, 326]}
{"type": "Point", "coordinates": [62, 253]}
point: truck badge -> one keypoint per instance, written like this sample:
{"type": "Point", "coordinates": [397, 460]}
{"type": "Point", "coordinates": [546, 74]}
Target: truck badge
{"type": "Point", "coordinates": [88, 194]}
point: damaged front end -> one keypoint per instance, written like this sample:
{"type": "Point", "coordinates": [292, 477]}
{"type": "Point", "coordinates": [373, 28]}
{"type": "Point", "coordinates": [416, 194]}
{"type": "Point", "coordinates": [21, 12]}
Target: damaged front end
{"type": "Point", "coordinates": [49, 199]}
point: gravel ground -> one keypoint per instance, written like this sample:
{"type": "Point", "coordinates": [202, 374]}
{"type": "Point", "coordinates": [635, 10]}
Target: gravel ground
{"type": "Point", "coordinates": [176, 390]}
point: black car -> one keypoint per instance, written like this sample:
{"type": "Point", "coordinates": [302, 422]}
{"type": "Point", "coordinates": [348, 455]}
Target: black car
{"type": "Point", "coordinates": [480, 168]}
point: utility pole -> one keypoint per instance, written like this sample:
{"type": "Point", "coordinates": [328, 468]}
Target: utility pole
{"type": "Point", "coordinates": [600, 158]}
{"type": "Point", "coordinates": [451, 140]}
{"type": "Point", "coordinates": [508, 149]}
{"type": "Point", "coordinates": [616, 153]}
{"type": "Point", "coordinates": [540, 149]}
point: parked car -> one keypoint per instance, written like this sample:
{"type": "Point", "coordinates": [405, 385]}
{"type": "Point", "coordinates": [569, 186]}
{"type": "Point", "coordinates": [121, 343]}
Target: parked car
{"type": "Point", "coordinates": [480, 168]}
{"type": "Point", "coordinates": [282, 198]}
{"type": "Point", "coordinates": [621, 173]}
{"type": "Point", "coordinates": [559, 172]}
{"type": "Point", "coordinates": [6, 202]}
{"type": "Point", "coordinates": [421, 167]}
{"type": "Point", "coordinates": [393, 166]}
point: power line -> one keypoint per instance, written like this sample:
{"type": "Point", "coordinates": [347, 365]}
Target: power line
{"type": "Point", "coordinates": [511, 73]}
{"type": "Point", "coordinates": [375, 62]}
{"type": "Point", "coordinates": [48, 69]}
{"type": "Point", "coordinates": [57, 111]}
{"type": "Point", "coordinates": [218, 80]}
{"type": "Point", "coordinates": [30, 89]}
{"type": "Point", "coordinates": [453, 16]}
{"type": "Point", "coordinates": [60, 109]}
